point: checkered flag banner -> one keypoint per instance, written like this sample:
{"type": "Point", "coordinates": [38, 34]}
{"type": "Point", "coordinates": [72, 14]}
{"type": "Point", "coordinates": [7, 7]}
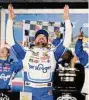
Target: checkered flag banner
{"type": "Point", "coordinates": [30, 28]}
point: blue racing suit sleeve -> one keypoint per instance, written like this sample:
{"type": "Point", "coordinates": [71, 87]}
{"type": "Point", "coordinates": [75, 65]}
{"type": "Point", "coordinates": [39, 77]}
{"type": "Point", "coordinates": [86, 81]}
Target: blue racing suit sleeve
{"type": "Point", "coordinates": [56, 41]}
{"type": "Point", "coordinates": [17, 66]}
{"type": "Point", "coordinates": [20, 53]}
{"type": "Point", "coordinates": [59, 51]}
{"type": "Point", "coordinates": [80, 53]}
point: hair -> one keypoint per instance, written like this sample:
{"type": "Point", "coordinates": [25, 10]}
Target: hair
{"type": "Point", "coordinates": [67, 56]}
{"type": "Point", "coordinates": [61, 36]}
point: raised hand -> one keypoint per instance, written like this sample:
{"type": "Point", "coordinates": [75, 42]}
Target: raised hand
{"type": "Point", "coordinates": [80, 35]}
{"type": "Point", "coordinates": [66, 12]}
{"type": "Point", "coordinates": [11, 14]}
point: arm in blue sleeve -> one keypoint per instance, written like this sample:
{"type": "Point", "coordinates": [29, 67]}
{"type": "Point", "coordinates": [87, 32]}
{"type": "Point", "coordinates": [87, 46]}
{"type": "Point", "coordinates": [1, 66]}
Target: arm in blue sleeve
{"type": "Point", "coordinates": [59, 50]}
{"type": "Point", "coordinates": [20, 53]}
{"type": "Point", "coordinates": [17, 66]}
{"type": "Point", "coordinates": [80, 53]}
{"type": "Point", "coordinates": [56, 41]}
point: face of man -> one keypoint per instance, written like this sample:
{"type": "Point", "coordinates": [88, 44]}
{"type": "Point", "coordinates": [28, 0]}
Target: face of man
{"type": "Point", "coordinates": [41, 40]}
{"type": "Point", "coordinates": [4, 52]}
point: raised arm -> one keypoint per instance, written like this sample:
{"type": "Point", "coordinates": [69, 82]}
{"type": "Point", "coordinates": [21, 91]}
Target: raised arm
{"type": "Point", "coordinates": [10, 36]}
{"type": "Point", "coordinates": [68, 27]}
{"type": "Point", "coordinates": [9, 28]}
{"type": "Point", "coordinates": [80, 53]}
{"type": "Point", "coordinates": [68, 35]}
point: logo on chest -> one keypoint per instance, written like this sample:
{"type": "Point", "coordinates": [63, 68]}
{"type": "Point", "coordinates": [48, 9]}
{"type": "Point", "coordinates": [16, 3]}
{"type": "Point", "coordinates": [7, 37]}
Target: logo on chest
{"type": "Point", "coordinates": [39, 67]}
{"type": "Point", "coordinates": [45, 57]}
{"type": "Point", "coordinates": [6, 67]}
{"type": "Point", "coordinates": [4, 77]}
{"type": "Point", "coordinates": [35, 53]}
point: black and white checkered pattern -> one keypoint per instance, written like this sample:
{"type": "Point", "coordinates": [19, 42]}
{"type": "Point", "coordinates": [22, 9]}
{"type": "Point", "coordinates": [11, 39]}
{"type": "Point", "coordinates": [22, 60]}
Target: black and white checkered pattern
{"type": "Point", "coordinates": [30, 27]}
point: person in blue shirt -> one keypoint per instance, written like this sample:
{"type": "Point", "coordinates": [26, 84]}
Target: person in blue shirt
{"type": "Point", "coordinates": [7, 68]}
{"type": "Point", "coordinates": [39, 61]}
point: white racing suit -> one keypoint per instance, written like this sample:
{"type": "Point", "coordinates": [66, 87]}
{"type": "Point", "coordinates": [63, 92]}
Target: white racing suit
{"type": "Point", "coordinates": [39, 63]}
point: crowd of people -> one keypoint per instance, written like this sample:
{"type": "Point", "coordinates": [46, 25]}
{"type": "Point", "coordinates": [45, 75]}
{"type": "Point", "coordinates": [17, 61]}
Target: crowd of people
{"type": "Point", "coordinates": [39, 62]}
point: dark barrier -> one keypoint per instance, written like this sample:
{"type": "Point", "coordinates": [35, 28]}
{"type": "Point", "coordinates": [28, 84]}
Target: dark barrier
{"type": "Point", "coordinates": [9, 95]}
{"type": "Point", "coordinates": [15, 95]}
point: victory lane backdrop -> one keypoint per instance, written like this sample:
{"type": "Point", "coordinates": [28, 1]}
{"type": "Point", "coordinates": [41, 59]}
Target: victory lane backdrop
{"type": "Point", "coordinates": [50, 22]}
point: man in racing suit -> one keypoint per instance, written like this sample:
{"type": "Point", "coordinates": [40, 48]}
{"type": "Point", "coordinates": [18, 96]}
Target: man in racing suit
{"type": "Point", "coordinates": [39, 61]}
{"type": "Point", "coordinates": [7, 68]}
